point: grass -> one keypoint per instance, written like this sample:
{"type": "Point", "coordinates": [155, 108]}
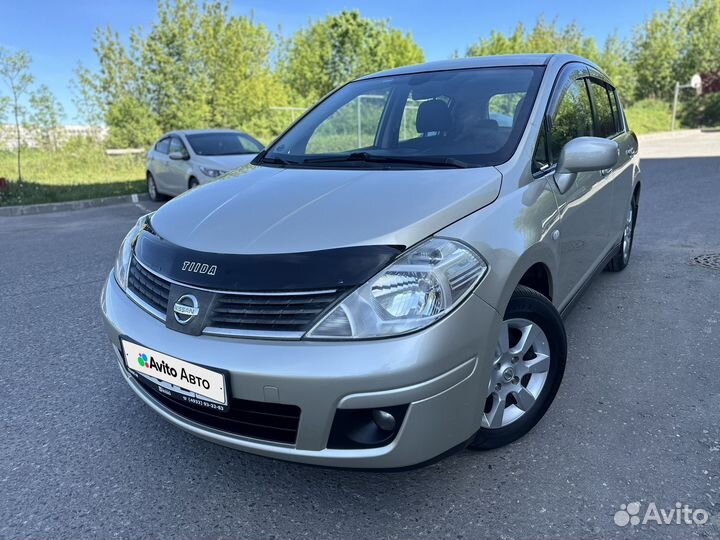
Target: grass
{"type": "Point", "coordinates": [79, 170]}
{"type": "Point", "coordinates": [650, 115]}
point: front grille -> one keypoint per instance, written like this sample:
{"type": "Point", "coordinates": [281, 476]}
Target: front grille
{"type": "Point", "coordinates": [286, 314]}
{"type": "Point", "coordinates": [150, 288]}
{"type": "Point", "coordinates": [274, 422]}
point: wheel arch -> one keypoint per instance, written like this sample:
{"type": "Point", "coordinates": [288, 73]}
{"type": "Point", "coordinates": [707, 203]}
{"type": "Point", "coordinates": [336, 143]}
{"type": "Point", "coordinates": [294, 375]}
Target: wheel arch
{"type": "Point", "coordinates": [539, 278]}
{"type": "Point", "coordinates": [535, 268]}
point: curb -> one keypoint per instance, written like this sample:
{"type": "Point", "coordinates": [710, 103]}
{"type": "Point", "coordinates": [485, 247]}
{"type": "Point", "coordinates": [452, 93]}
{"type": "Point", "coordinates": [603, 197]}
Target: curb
{"type": "Point", "coordinates": [46, 208]}
{"type": "Point", "coordinates": [668, 134]}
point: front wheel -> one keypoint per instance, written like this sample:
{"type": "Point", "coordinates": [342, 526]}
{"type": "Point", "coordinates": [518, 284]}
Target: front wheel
{"type": "Point", "coordinates": [527, 369]}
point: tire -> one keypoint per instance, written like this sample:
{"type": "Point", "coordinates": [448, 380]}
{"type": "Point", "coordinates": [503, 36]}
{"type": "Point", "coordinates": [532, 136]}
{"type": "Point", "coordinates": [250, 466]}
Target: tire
{"type": "Point", "coordinates": [535, 374]}
{"type": "Point", "coordinates": [152, 189]}
{"type": "Point", "coordinates": [193, 183]}
{"type": "Point", "coordinates": [622, 256]}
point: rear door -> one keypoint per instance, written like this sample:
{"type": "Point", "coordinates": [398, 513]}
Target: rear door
{"type": "Point", "coordinates": [585, 206]}
{"type": "Point", "coordinates": [610, 123]}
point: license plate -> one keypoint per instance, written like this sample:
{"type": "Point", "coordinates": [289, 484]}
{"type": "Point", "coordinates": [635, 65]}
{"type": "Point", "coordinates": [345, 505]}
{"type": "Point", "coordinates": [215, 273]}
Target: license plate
{"type": "Point", "coordinates": [180, 377]}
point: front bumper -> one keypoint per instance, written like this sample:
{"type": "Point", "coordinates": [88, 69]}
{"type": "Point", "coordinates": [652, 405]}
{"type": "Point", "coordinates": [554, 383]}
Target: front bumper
{"type": "Point", "coordinates": [441, 373]}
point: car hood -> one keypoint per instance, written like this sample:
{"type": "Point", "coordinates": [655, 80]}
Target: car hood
{"type": "Point", "coordinates": [274, 210]}
{"type": "Point", "coordinates": [224, 163]}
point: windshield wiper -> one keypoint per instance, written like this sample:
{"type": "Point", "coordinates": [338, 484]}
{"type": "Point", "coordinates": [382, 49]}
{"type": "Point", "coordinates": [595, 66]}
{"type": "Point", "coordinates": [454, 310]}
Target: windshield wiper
{"type": "Point", "coordinates": [378, 158]}
{"type": "Point", "coordinates": [274, 160]}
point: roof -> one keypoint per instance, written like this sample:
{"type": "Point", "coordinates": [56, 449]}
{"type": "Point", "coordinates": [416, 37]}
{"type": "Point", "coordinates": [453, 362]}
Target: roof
{"type": "Point", "coordinates": [480, 62]}
{"type": "Point", "coordinates": [198, 131]}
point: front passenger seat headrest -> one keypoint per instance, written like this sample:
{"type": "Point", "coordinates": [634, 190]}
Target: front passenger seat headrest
{"type": "Point", "coordinates": [432, 116]}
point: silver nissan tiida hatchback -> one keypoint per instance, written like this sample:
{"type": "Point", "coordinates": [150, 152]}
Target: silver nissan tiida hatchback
{"type": "Point", "coordinates": [385, 283]}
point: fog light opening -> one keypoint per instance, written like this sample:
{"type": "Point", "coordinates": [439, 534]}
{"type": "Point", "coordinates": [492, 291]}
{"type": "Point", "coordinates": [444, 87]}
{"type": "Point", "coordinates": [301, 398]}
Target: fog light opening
{"type": "Point", "coordinates": [366, 428]}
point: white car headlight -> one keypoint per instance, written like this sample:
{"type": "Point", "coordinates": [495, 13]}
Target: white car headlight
{"type": "Point", "coordinates": [419, 288]}
{"type": "Point", "coordinates": [212, 173]}
{"type": "Point", "coordinates": [122, 262]}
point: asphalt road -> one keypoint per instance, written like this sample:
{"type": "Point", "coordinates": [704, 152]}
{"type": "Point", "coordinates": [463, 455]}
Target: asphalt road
{"type": "Point", "coordinates": [636, 418]}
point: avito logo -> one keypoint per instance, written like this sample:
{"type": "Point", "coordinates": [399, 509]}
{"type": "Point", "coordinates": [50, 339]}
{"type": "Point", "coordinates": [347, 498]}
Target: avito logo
{"type": "Point", "coordinates": [151, 363]}
{"type": "Point", "coordinates": [143, 360]}
{"type": "Point", "coordinates": [190, 378]}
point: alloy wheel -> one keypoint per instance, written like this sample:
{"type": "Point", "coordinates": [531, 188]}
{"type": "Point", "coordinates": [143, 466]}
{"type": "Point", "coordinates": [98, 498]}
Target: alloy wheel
{"type": "Point", "coordinates": [520, 370]}
{"type": "Point", "coordinates": [628, 234]}
{"type": "Point", "coordinates": [152, 188]}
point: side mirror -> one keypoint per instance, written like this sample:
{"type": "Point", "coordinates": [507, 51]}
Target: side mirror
{"type": "Point", "coordinates": [177, 155]}
{"type": "Point", "coordinates": [584, 154]}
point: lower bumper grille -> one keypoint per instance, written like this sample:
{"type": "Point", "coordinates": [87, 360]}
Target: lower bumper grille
{"type": "Point", "coordinates": [273, 422]}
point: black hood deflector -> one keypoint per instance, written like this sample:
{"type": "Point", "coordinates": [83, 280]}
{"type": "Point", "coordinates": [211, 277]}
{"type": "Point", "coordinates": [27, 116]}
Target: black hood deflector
{"type": "Point", "coordinates": [305, 271]}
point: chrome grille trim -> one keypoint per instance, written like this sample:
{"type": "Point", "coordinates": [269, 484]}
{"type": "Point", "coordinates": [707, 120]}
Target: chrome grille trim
{"type": "Point", "coordinates": [229, 332]}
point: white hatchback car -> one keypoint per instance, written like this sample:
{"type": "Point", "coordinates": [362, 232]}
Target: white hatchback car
{"type": "Point", "coordinates": [182, 160]}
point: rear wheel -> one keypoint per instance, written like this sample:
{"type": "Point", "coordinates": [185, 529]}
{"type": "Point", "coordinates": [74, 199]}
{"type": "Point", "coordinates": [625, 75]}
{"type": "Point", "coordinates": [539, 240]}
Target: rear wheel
{"type": "Point", "coordinates": [152, 189]}
{"type": "Point", "coordinates": [527, 369]}
{"type": "Point", "coordinates": [622, 255]}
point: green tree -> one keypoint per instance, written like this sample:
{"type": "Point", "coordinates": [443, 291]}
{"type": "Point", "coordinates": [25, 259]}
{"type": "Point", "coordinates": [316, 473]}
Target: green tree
{"type": "Point", "coordinates": [46, 113]}
{"type": "Point", "coordinates": [547, 37]}
{"type": "Point", "coordinates": [131, 123]}
{"type": "Point", "coordinates": [240, 83]}
{"type": "Point", "coordinates": [85, 96]}
{"type": "Point", "coordinates": [701, 55]}
{"type": "Point", "coordinates": [15, 72]}
{"type": "Point", "coordinates": [340, 47]}
{"type": "Point", "coordinates": [615, 61]}
{"type": "Point", "coordinates": [100, 96]}
{"type": "Point", "coordinates": [197, 67]}
{"type": "Point", "coordinates": [170, 66]}
{"type": "Point", "coordinates": [702, 39]}
{"type": "Point", "coordinates": [4, 106]}
{"type": "Point", "coordinates": [657, 53]}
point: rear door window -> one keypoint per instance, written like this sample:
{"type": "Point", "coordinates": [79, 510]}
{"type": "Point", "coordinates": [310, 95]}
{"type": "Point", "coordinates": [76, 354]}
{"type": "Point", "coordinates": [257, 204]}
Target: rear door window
{"type": "Point", "coordinates": [617, 110]}
{"type": "Point", "coordinates": [605, 116]}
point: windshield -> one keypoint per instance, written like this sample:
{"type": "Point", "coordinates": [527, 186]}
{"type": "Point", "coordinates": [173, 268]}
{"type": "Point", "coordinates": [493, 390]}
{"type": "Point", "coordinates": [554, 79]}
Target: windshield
{"type": "Point", "coordinates": [459, 118]}
{"type": "Point", "coordinates": [223, 144]}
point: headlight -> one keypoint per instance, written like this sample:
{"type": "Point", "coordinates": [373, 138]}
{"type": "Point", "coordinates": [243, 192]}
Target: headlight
{"type": "Point", "coordinates": [212, 173]}
{"type": "Point", "coordinates": [122, 262]}
{"type": "Point", "coordinates": [422, 286]}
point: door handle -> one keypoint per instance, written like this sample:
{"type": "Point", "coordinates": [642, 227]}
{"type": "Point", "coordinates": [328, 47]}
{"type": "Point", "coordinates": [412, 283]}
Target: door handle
{"type": "Point", "coordinates": [631, 152]}
{"type": "Point", "coordinates": [605, 172]}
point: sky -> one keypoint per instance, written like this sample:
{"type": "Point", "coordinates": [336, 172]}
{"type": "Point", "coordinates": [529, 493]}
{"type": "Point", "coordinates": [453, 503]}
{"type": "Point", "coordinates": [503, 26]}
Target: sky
{"type": "Point", "coordinates": [58, 33]}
